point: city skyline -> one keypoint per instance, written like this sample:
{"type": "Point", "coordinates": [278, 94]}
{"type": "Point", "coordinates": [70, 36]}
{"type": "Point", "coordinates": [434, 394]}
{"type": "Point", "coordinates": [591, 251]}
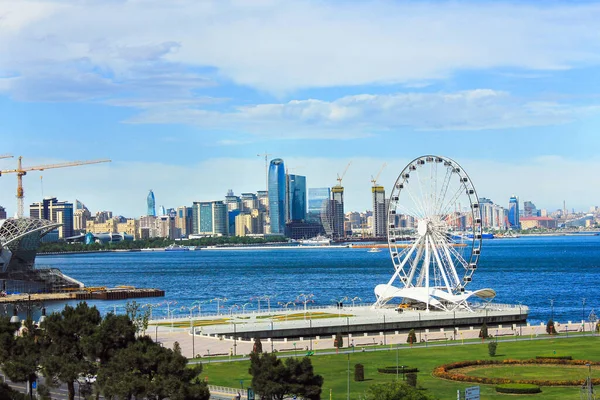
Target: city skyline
{"type": "Point", "coordinates": [183, 97]}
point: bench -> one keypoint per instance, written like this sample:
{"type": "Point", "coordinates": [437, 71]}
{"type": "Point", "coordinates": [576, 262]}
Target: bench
{"type": "Point", "coordinates": [437, 339]}
{"type": "Point", "coordinates": [506, 334]}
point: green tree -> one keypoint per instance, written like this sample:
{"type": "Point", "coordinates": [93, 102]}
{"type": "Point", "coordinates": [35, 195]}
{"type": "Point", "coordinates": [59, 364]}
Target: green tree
{"type": "Point", "coordinates": [483, 332]}
{"type": "Point", "coordinates": [412, 337]}
{"type": "Point", "coordinates": [550, 329]}
{"type": "Point", "coordinates": [257, 348]}
{"type": "Point", "coordinates": [144, 369]}
{"type": "Point", "coordinates": [114, 333]}
{"type": "Point", "coordinates": [492, 346]}
{"type": "Point", "coordinates": [338, 342]}
{"type": "Point", "coordinates": [272, 379]}
{"type": "Point", "coordinates": [138, 316]}
{"type": "Point", "coordinates": [302, 380]}
{"type": "Point", "coordinates": [394, 391]}
{"type": "Point", "coordinates": [269, 376]}
{"type": "Point", "coordinates": [67, 337]}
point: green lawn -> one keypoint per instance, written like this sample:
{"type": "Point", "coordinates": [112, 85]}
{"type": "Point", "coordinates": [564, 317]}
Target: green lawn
{"type": "Point", "coordinates": [334, 367]}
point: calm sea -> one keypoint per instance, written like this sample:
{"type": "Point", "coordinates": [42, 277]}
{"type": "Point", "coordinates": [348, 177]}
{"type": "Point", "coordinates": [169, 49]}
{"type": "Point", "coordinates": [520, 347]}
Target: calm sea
{"type": "Point", "coordinates": [531, 270]}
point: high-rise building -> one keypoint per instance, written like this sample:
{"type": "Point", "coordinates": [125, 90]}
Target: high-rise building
{"type": "Point", "coordinates": [379, 211]}
{"type": "Point", "coordinates": [151, 204]}
{"type": "Point", "coordinates": [513, 213]}
{"type": "Point", "coordinates": [529, 209]}
{"type": "Point", "coordinates": [210, 218]}
{"type": "Point", "coordinates": [337, 212]}
{"type": "Point", "coordinates": [493, 216]}
{"type": "Point", "coordinates": [2, 213]}
{"type": "Point", "coordinates": [233, 202]}
{"type": "Point", "coordinates": [81, 216]}
{"type": "Point", "coordinates": [165, 227]}
{"type": "Point", "coordinates": [263, 200]}
{"type": "Point", "coordinates": [296, 198]}
{"type": "Point", "coordinates": [249, 202]}
{"type": "Point", "coordinates": [248, 223]}
{"type": "Point", "coordinates": [183, 221]}
{"type": "Point", "coordinates": [318, 198]}
{"type": "Point", "coordinates": [277, 197]}
{"type": "Point", "coordinates": [56, 211]}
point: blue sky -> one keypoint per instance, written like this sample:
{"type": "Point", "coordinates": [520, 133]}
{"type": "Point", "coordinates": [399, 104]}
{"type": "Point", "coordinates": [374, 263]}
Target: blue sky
{"type": "Point", "coordinates": [183, 95]}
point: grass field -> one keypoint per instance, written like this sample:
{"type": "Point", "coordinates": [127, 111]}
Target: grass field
{"type": "Point", "coordinates": [334, 367]}
{"type": "Point", "coordinates": [546, 372]}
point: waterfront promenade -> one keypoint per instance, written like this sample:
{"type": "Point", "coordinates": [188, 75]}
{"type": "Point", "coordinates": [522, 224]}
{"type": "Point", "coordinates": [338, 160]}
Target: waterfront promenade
{"type": "Point", "coordinates": [215, 340]}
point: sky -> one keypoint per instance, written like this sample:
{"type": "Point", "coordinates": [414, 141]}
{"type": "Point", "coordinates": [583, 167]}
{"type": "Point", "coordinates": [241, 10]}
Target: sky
{"type": "Point", "coordinates": [184, 95]}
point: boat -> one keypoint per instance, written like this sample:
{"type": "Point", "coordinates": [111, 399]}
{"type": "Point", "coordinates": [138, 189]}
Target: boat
{"type": "Point", "coordinates": [176, 247]}
{"type": "Point", "coordinates": [374, 250]}
{"type": "Point", "coordinates": [316, 241]}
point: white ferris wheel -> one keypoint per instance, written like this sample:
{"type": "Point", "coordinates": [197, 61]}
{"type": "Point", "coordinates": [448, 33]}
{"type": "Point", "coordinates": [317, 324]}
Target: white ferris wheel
{"type": "Point", "coordinates": [434, 236]}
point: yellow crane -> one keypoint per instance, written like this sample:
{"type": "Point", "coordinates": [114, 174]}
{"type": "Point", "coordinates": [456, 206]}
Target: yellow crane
{"type": "Point", "coordinates": [374, 180]}
{"type": "Point", "coordinates": [340, 177]}
{"type": "Point", "coordinates": [21, 172]}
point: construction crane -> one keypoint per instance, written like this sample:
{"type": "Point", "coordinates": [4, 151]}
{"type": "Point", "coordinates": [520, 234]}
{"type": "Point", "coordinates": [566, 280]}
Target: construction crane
{"type": "Point", "coordinates": [5, 156]}
{"type": "Point", "coordinates": [374, 180]}
{"type": "Point", "coordinates": [21, 172]}
{"type": "Point", "coordinates": [339, 178]}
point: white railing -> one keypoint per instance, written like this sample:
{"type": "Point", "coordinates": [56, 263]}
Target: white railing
{"type": "Point", "coordinates": [222, 390]}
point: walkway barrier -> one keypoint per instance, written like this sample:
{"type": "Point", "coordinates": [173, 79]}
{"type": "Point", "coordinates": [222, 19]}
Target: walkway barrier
{"type": "Point", "coordinates": [227, 391]}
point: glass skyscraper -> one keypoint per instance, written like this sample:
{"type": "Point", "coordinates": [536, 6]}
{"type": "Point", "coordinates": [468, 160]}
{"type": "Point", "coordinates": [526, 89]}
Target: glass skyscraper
{"type": "Point", "coordinates": [296, 198]}
{"type": "Point", "coordinates": [151, 204]}
{"type": "Point", "coordinates": [317, 203]}
{"type": "Point", "coordinates": [277, 196]}
{"type": "Point", "coordinates": [513, 213]}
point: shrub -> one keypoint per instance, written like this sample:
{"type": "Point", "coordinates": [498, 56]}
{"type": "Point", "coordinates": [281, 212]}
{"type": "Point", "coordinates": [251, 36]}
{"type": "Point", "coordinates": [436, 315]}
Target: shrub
{"type": "Point", "coordinates": [257, 348]}
{"type": "Point", "coordinates": [550, 329]}
{"type": "Point", "coordinates": [400, 369]}
{"type": "Point", "coordinates": [43, 392]}
{"type": "Point", "coordinates": [338, 342]}
{"type": "Point", "coordinates": [359, 372]}
{"type": "Point", "coordinates": [553, 357]}
{"type": "Point", "coordinates": [492, 346]}
{"type": "Point", "coordinates": [411, 379]}
{"type": "Point", "coordinates": [412, 337]}
{"type": "Point", "coordinates": [483, 332]}
{"type": "Point", "coordinates": [518, 388]}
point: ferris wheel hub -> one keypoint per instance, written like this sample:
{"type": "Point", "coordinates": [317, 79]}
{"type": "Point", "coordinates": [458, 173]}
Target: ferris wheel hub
{"type": "Point", "coordinates": [423, 227]}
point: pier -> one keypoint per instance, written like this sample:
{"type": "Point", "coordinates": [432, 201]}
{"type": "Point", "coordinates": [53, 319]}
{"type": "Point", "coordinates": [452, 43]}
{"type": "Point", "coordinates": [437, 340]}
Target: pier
{"type": "Point", "coordinates": [100, 293]}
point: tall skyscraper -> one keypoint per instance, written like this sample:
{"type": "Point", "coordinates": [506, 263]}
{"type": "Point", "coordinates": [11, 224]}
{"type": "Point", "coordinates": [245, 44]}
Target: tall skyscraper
{"type": "Point", "coordinates": [296, 198]}
{"type": "Point", "coordinates": [318, 200]}
{"type": "Point", "coordinates": [2, 212]}
{"type": "Point", "coordinates": [277, 196]}
{"type": "Point", "coordinates": [337, 212]}
{"type": "Point", "coordinates": [513, 213]}
{"type": "Point", "coordinates": [151, 204]}
{"type": "Point", "coordinates": [379, 211]}
{"type": "Point", "coordinates": [56, 211]}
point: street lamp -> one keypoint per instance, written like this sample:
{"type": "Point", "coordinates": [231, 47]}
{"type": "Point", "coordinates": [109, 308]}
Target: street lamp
{"type": "Point", "coordinates": [244, 307]}
{"type": "Point", "coordinates": [219, 300]}
{"type": "Point", "coordinates": [552, 309]}
{"type": "Point", "coordinates": [355, 298]}
{"type": "Point", "coordinates": [583, 312]}
{"type": "Point", "coordinates": [305, 298]}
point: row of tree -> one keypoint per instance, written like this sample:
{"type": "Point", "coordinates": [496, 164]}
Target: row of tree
{"type": "Point", "coordinates": [156, 243]}
{"type": "Point", "coordinates": [78, 343]}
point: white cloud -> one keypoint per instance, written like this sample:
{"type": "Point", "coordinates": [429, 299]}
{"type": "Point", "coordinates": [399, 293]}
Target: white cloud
{"type": "Point", "coordinates": [362, 115]}
{"type": "Point", "coordinates": [122, 187]}
{"type": "Point", "coordinates": [280, 46]}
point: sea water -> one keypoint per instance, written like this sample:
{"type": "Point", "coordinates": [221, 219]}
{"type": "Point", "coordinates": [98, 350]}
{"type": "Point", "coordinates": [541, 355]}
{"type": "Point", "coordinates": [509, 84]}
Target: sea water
{"type": "Point", "coordinates": [530, 270]}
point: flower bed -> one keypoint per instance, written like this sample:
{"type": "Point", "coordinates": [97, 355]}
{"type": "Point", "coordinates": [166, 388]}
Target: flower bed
{"type": "Point", "coordinates": [446, 371]}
